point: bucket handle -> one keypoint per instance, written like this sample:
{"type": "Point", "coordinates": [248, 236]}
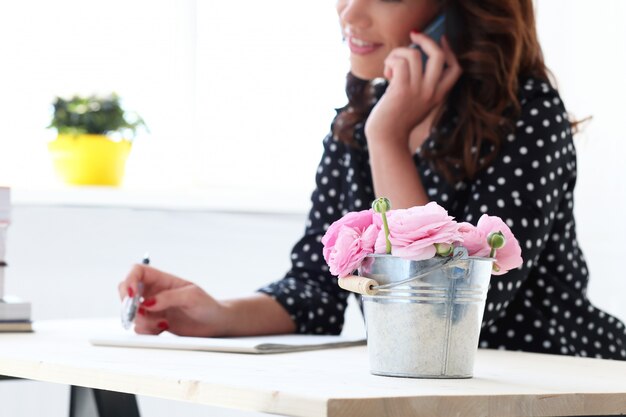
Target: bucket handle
{"type": "Point", "coordinates": [359, 285]}
{"type": "Point", "coordinates": [369, 286]}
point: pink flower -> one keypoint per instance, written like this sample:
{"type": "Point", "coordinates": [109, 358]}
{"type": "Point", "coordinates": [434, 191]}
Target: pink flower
{"type": "Point", "coordinates": [474, 240]}
{"type": "Point", "coordinates": [351, 246]}
{"type": "Point", "coordinates": [413, 232]}
{"type": "Point", "coordinates": [510, 256]}
{"type": "Point", "coordinates": [356, 219]}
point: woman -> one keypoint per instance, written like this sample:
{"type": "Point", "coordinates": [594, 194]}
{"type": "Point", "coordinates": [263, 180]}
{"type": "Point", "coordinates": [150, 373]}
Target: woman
{"type": "Point", "coordinates": [477, 129]}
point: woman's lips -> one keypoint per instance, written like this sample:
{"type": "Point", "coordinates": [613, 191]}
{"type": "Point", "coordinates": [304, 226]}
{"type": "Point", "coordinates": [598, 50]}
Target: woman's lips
{"type": "Point", "coordinates": [361, 47]}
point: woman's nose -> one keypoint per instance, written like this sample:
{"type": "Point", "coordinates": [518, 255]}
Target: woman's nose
{"type": "Point", "coordinates": [354, 13]}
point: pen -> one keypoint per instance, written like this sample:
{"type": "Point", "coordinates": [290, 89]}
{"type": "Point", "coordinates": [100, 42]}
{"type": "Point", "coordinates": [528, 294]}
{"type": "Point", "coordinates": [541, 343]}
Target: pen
{"type": "Point", "coordinates": [131, 304]}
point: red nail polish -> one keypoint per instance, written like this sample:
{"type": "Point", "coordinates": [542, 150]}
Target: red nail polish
{"type": "Point", "coordinates": [141, 311]}
{"type": "Point", "coordinates": [415, 31]}
{"type": "Point", "coordinates": [163, 325]}
{"type": "Point", "coordinates": [149, 302]}
{"type": "Point", "coordinates": [131, 293]}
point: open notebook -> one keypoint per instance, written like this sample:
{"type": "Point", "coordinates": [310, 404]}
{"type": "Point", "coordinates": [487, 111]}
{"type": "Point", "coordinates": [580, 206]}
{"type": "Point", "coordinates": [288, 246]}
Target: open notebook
{"type": "Point", "coordinates": [258, 344]}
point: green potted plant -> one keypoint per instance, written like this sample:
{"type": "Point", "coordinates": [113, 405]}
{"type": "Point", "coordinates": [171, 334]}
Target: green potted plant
{"type": "Point", "coordinates": [94, 136]}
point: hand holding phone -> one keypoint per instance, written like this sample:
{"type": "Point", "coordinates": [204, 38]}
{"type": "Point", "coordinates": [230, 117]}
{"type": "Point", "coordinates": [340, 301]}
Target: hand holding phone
{"type": "Point", "coordinates": [411, 95]}
{"type": "Point", "coordinates": [435, 30]}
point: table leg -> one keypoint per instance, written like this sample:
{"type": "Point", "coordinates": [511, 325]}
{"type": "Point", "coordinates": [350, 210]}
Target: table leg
{"type": "Point", "coordinates": [91, 402]}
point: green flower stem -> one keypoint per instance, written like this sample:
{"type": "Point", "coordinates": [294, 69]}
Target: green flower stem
{"type": "Point", "coordinates": [386, 226]}
{"type": "Point", "coordinates": [382, 205]}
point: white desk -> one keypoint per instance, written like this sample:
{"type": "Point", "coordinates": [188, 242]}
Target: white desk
{"type": "Point", "coordinates": [317, 383]}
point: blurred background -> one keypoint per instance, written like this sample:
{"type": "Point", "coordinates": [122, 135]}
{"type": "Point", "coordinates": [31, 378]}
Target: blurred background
{"type": "Point", "coordinates": [237, 97]}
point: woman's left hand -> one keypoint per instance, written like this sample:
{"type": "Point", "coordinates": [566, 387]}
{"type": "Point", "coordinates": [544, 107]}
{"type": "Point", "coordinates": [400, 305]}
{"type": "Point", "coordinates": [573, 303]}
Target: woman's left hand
{"type": "Point", "coordinates": [413, 91]}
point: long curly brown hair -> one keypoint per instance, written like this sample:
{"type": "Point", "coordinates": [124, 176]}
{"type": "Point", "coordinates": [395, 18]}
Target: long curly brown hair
{"type": "Point", "coordinates": [495, 42]}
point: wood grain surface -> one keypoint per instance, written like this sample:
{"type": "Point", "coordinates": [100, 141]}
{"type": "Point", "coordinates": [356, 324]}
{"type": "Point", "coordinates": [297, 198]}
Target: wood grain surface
{"type": "Point", "coordinates": [317, 384]}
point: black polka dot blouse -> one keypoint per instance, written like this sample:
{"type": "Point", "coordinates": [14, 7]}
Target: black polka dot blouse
{"type": "Point", "coordinates": [541, 306]}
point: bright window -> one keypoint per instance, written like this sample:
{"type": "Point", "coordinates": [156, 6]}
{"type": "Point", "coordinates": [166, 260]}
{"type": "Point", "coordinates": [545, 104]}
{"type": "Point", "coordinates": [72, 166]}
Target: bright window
{"type": "Point", "coordinates": [237, 96]}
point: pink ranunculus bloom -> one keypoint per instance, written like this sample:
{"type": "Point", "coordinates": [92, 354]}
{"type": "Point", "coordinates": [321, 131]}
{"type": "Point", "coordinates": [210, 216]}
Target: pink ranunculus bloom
{"type": "Point", "coordinates": [359, 220]}
{"type": "Point", "coordinates": [413, 232]}
{"type": "Point", "coordinates": [510, 256]}
{"type": "Point", "coordinates": [474, 240]}
{"type": "Point", "coordinates": [351, 246]}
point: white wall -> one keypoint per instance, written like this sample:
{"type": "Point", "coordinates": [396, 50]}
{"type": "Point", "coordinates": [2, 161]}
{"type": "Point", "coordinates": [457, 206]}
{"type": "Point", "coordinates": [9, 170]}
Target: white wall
{"type": "Point", "coordinates": [266, 96]}
{"type": "Point", "coordinates": [141, 49]}
{"type": "Point", "coordinates": [227, 93]}
{"type": "Point", "coordinates": [584, 45]}
{"type": "Point", "coordinates": [224, 92]}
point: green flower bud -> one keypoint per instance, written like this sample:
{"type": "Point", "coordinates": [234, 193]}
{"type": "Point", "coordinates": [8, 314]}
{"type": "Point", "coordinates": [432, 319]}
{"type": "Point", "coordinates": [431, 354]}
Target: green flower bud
{"type": "Point", "coordinates": [381, 205]}
{"type": "Point", "coordinates": [444, 249]}
{"type": "Point", "coordinates": [496, 240]}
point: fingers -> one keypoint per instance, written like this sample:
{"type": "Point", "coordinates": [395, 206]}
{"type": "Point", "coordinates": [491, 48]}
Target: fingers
{"type": "Point", "coordinates": [128, 287]}
{"type": "Point", "coordinates": [178, 297]}
{"type": "Point", "coordinates": [153, 281]}
{"type": "Point", "coordinates": [153, 313]}
{"type": "Point", "coordinates": [422, 77]}
{"type": "Point", "coordinates": [151, 323]}
{"type": "Point", "coordinates": [434, 80]}
{"type": "Point", "coordinates": [451, 74]}
{"type": "Point", "coordinates": [398, 68]}
{"type": "Point", "coordinates": [434, 64]}
{"type": "Point", "coordinates": [147, 322]}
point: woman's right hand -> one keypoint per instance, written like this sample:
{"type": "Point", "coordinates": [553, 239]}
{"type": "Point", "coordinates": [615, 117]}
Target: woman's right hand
{"type": "Point", "coordinates": [173, 304]}
{"type": "Point", "coordinates": [415, 91]}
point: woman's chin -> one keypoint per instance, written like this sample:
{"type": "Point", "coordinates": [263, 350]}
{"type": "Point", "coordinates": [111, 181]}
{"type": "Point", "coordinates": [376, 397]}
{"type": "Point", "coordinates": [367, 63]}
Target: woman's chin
{"type": "Point", "coordinates": [365, 73]}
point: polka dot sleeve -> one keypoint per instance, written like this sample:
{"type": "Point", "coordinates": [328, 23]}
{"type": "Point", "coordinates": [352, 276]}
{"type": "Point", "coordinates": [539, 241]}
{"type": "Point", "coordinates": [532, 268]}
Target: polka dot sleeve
{"type": "Point", "coordinates": [308, 291]}
{"type": "Point", "coordinates": [530, 181]}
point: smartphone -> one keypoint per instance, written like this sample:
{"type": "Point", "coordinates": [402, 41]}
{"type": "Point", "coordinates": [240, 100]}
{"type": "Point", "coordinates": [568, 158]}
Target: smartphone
{"type": "Point", "coordinates": [435, 30]}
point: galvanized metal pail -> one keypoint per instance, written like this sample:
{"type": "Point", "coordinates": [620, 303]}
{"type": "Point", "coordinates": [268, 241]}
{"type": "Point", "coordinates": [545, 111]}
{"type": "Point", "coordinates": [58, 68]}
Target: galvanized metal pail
{"type": "Point", "coordinates": [424, 317]}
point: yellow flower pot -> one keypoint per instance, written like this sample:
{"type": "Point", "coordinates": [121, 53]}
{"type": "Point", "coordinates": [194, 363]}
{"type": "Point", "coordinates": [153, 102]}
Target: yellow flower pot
{"type": "Point", "coordinates": [89, 159]}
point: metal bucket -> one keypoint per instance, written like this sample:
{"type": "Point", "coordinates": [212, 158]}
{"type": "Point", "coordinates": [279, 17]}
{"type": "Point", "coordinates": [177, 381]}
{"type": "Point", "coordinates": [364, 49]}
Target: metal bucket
{"type": "Point", "coordinates": [425, 317]}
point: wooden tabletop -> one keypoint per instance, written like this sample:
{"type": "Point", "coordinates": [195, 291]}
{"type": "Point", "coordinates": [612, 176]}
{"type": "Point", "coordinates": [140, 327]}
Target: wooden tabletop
{"type": "Point", "coordinates": [317, 383]}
